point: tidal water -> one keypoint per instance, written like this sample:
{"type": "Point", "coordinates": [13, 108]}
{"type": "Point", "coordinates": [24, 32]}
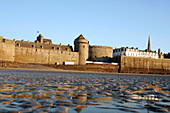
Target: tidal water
{"type": "Point", "coordinates": [48, 92]}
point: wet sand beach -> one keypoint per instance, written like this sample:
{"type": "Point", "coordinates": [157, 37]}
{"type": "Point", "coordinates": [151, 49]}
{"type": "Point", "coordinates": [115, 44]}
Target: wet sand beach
{"type": "Point", "coordinates": [54, 70]}
{"type": "Point", "coordinates": [27, 91]}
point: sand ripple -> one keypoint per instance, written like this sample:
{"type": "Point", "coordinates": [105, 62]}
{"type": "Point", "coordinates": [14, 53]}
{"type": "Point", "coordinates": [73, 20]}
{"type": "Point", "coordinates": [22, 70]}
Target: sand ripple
{"type": "Point", "coordinates": [26, 92]}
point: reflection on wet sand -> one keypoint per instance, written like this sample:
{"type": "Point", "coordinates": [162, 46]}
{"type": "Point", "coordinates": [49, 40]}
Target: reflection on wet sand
{"type": "Point", "coordinates": [63, 92]}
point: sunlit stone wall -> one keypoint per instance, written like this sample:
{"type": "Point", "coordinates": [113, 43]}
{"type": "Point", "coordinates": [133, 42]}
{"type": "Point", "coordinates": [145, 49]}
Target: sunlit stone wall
{"type": "Point", "coordinates": [7, 49]}
{"type": "Point", "coordinates": [144, 65]}
{"type": "Point", "coordinates": [44, 56]}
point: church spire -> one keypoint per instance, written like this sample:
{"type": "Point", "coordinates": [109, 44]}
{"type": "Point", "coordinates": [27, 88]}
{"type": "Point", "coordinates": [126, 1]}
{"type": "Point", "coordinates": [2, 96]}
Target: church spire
{"type": "Point", "coordinates": [149, 44]}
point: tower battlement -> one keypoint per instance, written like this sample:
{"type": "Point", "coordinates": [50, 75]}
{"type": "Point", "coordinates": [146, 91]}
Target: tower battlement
{"type": "Point", "coordinates": [7, 40]}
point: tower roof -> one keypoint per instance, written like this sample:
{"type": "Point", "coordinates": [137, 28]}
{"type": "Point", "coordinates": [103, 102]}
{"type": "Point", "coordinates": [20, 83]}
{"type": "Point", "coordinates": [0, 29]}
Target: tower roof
{"type": "Point", "coordinates": [149, 44]}
{"type": "Point", "coordinates": [80, 37]}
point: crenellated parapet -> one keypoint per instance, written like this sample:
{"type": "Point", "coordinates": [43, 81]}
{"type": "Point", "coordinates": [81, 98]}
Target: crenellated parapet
{"type": "Point", "coordinates": [3, 40]}
{"type": "Point", "coordinates": [101, 47]}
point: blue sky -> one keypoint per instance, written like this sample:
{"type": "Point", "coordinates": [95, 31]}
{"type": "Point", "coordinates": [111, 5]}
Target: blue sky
{"type": "Point", "coordinates": [112, 23]}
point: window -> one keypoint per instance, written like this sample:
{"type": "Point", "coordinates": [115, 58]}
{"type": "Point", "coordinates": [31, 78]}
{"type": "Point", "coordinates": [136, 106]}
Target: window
{"type": "Point", "coordinates": [83, 46]}
{"type": "Point", "coordinates": [41, 46]}
{"type": "Point", "coordinates": [53, 47]}
{"type": "Point", "coordinates": [33, 46]}
{"type": "Point", "coordinates": [18, 44]}
{"type": "Point", "coordinates": [66, 49]}
{"type": "Point", "coordinates": [58, 48]}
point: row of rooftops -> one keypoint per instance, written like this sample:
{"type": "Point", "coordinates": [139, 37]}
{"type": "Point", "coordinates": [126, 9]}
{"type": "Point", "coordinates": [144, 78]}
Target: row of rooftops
{"type": "Point", "coordinates": [46, 44]}
{"type": "Point", "coordinates": [167, 55]}
{"type": "Point", "coordinates": [43, 45]}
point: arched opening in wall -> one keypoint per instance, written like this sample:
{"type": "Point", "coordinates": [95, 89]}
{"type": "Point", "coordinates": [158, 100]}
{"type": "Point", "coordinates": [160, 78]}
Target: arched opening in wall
{"type": "Point", "coordinates": [58, 48]}
{"type": "Point", "coordinates": [36, 50]}
{"type": "Point", "coordinates": [41, 46]}
{"type": "Point", "coordinates": [53, 47]}
{"type": "Point", "coordinates": [83, 46]}
{"type": "Point", "coordinates": [66, 49]}
{"type": "Point", "coordinates": [18, 44]}
{"type": "Point", "coordinates": [33, 46]}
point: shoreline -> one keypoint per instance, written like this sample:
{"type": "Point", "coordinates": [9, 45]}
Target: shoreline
{"type": "Point", "coordinates": [73, 71]}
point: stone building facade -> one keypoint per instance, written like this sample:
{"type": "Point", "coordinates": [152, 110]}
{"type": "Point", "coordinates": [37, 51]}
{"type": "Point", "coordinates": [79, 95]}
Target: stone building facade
{"type": "Point", "coordinates": [135, 52]}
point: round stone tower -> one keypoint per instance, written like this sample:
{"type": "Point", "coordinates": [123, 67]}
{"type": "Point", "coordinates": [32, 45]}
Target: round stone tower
{"type": "Point", "coordinates": [81, 45]}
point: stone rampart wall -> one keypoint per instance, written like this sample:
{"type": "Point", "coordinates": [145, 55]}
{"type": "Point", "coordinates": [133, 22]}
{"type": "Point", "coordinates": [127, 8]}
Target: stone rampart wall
{"type": "Point", "coordinates": [7, 49]}
{"type": "Point", "coordinates": [31, 55]}
{"type": "Point", "coordinates": [100, 53]}
{"type": "Point", "coordinates": [144, 65]}
{"type": "Point", "coordinates": [44, 56]}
